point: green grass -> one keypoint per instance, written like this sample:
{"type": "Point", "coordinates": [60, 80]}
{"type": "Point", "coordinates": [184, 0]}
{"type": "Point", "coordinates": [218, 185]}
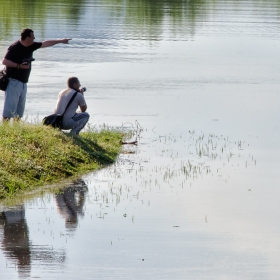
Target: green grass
{"type": "Point", "coordinates": [33, 155]}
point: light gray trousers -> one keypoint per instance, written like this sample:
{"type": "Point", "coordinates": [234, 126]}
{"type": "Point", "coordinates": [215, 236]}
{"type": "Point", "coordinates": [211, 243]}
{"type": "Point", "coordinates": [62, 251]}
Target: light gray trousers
{"type": "Point", "coordinates": [76, 123]}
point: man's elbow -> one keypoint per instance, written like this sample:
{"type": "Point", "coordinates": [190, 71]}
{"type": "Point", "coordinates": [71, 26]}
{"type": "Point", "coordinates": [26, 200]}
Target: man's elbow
{"type": "Point", "coordinates": [7, 62]}
{"type": "Point", "coordinates": [83, 108]}
{"type": "Point", "coordinates": [4, 61]}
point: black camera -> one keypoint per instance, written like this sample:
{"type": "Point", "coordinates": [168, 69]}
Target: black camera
{"type": "Point", "coordinates": [83, 89]}
{"type": "Point", "coordinates": [28, 60]}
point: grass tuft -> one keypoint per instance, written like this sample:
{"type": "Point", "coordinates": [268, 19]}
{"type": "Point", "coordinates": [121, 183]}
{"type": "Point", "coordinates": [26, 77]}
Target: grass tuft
{"type": "Point", "coordinates": [32, 155]}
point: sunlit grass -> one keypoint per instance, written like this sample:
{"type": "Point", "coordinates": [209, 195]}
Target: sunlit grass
{"type": "Point", "coordinates": [32, 155]}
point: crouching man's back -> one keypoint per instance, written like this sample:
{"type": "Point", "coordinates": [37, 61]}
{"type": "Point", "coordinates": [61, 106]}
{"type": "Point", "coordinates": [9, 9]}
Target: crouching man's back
{"type": "Point", "coordinates": [72, 119]}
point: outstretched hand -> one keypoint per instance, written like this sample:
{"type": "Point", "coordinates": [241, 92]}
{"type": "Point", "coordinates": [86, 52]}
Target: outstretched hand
{"type": "Point", "coordinates": [65, 40]}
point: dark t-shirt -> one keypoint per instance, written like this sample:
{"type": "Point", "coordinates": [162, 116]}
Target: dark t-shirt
{"type": "Point", "coordinates": [17, 53]}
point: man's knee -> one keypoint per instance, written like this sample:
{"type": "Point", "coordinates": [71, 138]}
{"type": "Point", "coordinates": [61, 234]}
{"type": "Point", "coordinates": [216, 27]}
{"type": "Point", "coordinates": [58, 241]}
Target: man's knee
{"type": "Point", "coordinates": [85, 117]}
{"type": "Point", "coordinates": [86, 114]}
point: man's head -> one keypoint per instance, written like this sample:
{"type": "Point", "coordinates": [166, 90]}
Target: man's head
{"type": "Point", "coordinates": [27, 35]}
{"type": "Point", "coordinates": [74, 83]}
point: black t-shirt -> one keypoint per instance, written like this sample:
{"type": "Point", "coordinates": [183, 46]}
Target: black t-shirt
{"type": "Point", "coordinates": [17, 53]}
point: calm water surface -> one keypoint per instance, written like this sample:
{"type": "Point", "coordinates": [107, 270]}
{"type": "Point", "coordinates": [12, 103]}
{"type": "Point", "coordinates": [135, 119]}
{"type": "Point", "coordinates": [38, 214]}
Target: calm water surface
{"type": "Point", "coordinates": [198, 198]}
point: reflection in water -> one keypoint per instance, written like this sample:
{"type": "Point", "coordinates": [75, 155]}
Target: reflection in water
{"type": "Point", "coordinates": [176, 199]}
{"type": "Point", "coordinates": [21, 13]}
{"type": "Point", "coordinates": [15, 239]}
{"type": "Point", "coordinates": [70, 202]}
{"type": "Point", "coordinates": [142, 19]}
{"type": "Point", "coordinates": [15, 242]}
{"type": "Point", "coordinates": [17, 246]}
{"type": "Point", "coordinates": [99, 23]}
{"type": "Point", "coordinates": [151, 19]}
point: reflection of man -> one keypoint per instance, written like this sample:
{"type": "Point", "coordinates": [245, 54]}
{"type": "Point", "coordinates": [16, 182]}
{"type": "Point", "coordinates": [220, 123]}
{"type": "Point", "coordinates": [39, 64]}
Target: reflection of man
{"type": "Point", "coordinates": [18, 63]}
{"type": "Point", "coordinates": [70, 202]}
{"type": "Point", "coordinates": [15, 238]}
{"type": "Point", "coordinates": [71, 119]}
{"type": "Point", "coordinates": [16, 246]}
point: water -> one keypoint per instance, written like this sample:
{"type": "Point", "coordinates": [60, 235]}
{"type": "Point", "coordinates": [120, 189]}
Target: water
{"type": "Point", "coordinates": [198, 197]}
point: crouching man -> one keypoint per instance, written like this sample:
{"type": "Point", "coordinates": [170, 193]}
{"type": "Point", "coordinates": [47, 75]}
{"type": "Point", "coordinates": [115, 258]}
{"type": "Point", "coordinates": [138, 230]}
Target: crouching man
{"type": "Point", "coordinates": [72, 120]}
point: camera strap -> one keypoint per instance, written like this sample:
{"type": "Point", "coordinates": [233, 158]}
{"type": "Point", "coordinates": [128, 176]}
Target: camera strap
{"type": "Point", "coordinates": [70, 101]}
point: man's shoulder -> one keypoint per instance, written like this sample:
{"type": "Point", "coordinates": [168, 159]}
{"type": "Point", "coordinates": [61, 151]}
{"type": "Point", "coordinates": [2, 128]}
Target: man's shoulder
{"type": "Point", "coordinates": [14, 45]}
{"type": "Point", "coordinates": [71, 92]}
{"type": "Point", "coordinates": [80, 94]}
{"type": "Point", "coordinates": [36, 45]}
{"type": "Point", "coordinates": [18, 45]}
{"type": "Point", "coordinates": [64, 92]}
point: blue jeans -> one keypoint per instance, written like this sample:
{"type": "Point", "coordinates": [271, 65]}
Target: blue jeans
{"type": "Point", "coordinates": [76, 123]}
{"type": "Point", "coordinates": [15, 97]}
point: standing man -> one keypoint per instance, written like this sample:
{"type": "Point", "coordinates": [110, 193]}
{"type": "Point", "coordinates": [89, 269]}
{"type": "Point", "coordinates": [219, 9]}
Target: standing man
{"type": "Point", "coordinates": [71, 119]}
{"type": "Point", "coordinates": [18, 64]}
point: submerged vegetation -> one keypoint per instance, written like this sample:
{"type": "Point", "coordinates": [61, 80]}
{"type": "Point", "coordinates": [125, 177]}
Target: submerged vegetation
{"type": "Point", "coordinates": [33, 155]}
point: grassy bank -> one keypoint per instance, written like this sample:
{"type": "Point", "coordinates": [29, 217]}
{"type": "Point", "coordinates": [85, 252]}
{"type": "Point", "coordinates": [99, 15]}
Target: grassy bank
{"type": "Point", "coordinates": [32, 155]}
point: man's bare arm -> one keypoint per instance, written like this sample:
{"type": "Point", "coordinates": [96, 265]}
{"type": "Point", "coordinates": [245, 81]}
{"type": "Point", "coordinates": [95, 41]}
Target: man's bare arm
{"type": "Point", "coordinates": [12, 64]}
{"type": "Point", "coordinates": [49, 43]}
{"type": "Point", "coordinates": [83, 108]}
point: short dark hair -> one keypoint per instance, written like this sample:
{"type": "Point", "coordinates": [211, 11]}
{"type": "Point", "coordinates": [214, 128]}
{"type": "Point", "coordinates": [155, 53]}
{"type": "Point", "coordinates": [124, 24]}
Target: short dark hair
{"type": "Point", "coordinates": [25, 33]}
{"type": "Point", "coordinates": [71, 81]}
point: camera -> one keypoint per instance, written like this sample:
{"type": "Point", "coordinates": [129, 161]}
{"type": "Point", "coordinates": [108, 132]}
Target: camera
{"type": "Point", "coordinates": [28, 60]}
{"type": "Point", "coordinates": [83, 89]}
